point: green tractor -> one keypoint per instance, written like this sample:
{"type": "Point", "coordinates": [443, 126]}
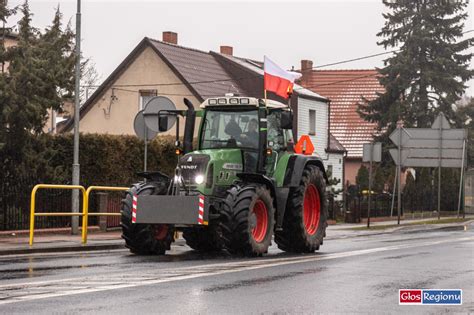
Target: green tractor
{"type": "Point", "coordinates": [243, 185]}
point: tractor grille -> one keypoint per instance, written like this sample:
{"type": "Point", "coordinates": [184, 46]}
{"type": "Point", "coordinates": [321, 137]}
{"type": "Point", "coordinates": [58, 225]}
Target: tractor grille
{"type": "Point", "coordinates": [193, 165]}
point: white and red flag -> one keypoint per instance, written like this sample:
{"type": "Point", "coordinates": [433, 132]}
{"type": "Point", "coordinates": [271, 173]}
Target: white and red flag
{"type": "Point", "coordinates": [278, 80]}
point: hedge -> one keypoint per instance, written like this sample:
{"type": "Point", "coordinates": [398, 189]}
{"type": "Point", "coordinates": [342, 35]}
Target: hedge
{"type": "Point", "coordinates": [108, 159]}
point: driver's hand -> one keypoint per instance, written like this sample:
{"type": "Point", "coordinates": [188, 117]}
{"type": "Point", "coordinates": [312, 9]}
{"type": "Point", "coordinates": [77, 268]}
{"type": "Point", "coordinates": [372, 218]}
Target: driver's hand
{"type": "Point", "coordinates": [243, 135]}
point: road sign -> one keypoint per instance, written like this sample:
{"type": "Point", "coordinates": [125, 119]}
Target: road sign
{"type": "Point", "coordinates": [429, 138]}
{"type": "Point", "coordinates": [438, 146]}
{"type": "Point", "coordinates": [376, 152]}
{"type": "Point", "coordinates": [156, 106]}
{"type": "Point", "coordinates": [441, 122]}
{"type": "Point", "coordinates": [419, 159]}
{"type": "Point", "coordinates": [141, 129]}
{"type": "Point", "coordinates": [395, 136]}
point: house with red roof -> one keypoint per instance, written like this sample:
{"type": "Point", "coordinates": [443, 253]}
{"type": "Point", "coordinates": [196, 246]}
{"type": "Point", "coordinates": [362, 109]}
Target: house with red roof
{"type": "Point", "coordinates": [165, 68]}
{"type": "Point", "coordinates": [345, 89]}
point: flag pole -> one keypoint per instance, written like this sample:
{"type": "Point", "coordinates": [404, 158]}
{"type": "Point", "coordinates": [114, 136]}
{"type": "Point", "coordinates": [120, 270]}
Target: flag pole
{"type": "Point", "coordinates": [265, 96]}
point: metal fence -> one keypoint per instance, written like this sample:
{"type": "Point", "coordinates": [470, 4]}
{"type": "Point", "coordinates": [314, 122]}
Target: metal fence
{"type": "Point", "coordinates": [15, 207]}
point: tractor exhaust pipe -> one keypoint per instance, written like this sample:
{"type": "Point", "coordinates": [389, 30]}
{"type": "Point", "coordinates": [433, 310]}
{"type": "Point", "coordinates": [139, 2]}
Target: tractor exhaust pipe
{"type": "Point", "coordinates": [189, 126]}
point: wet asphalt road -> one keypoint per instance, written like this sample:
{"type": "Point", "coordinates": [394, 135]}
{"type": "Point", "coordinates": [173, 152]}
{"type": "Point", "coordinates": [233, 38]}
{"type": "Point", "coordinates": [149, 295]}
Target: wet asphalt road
{"type": "Point", "coordinates": [348, 275]}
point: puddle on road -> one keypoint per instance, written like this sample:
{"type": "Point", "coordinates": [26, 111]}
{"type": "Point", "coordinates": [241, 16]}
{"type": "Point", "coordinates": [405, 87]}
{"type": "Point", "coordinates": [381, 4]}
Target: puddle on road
{"type": "Point", "coordinates": [262, 280]}
{"type": "Point", "coordinates": [439, 229]}
{"type": "Point", "coordinates": [19, 273]}
{"type": "Point", "coordinates": [407, 255]}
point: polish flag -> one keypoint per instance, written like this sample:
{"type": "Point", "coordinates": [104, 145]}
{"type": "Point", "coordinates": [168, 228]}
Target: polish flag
{"type": "Point", "coordinates": [278, 80]}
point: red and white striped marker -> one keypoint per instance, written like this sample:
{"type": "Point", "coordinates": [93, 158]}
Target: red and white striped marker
{"type": "Point", "coordinates": [201, 210]}
{"type": "Point", "coordinates": [134, 209]}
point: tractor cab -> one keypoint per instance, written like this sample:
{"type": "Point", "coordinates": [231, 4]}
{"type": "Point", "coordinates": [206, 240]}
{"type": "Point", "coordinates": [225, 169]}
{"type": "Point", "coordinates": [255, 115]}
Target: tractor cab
{"type": "Point", "coordinates": [260, 130]}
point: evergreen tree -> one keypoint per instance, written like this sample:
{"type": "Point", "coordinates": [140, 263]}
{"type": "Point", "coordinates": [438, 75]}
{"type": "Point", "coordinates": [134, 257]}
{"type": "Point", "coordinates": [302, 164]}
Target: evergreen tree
{"type": "Point", "coordinates": [428, 73]}
{"type": "Point", "coordinates": [55, 50]}
{"type": "Point", "coordinates": [39, 77]}
{"type": "Point", "coordinates": [362, 178]}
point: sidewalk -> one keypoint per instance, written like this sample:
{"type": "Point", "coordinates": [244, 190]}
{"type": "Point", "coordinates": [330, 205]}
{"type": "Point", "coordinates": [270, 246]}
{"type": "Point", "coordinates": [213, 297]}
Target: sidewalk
{"type": "Point", "coordinates": [14, 243]}
{"type": "Point", "coordinates": [59, 242]}
{"type": "Point", "coordinates": [347, 230]}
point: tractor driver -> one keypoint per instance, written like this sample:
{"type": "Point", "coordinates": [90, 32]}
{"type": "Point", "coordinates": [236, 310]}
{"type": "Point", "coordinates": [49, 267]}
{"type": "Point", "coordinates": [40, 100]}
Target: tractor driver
{"type": "Point", "coordinates": [250, 137]}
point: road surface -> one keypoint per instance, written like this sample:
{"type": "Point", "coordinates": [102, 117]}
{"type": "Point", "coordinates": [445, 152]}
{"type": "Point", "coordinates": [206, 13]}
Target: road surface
{"type": "Point", "coordinates": [349, 275]}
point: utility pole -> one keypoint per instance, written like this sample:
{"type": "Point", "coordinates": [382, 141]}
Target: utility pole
{"type": "Point", "coordinates": [399, 199]}
{"type": "Point", "coordinates": [440, 133]}
{"type": "Point", "coordinates": [75, 165]}
{"type": "Point", "coordinates": [370, 182]}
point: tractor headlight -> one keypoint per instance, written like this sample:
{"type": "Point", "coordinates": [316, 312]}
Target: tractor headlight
{"type": "Point", "coordinates": [199, 179]}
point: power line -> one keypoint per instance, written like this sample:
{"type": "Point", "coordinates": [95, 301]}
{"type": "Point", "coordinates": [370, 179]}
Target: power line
{"type": "Point", "coordinates": [355, 59]}
{"type": "Point", "coordinates": [337, 82]}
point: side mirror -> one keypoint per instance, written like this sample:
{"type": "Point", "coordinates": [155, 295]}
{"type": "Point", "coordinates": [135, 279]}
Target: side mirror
{"type": "Point", "coordinates": [286, 120]}
{"type": "Point", "coordinates": [163, 123]}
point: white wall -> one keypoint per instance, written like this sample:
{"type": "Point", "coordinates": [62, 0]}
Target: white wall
{"type": "Point", "coordinates": [320, 139]}
{"type": "Point", "coordinates": [337, 162]}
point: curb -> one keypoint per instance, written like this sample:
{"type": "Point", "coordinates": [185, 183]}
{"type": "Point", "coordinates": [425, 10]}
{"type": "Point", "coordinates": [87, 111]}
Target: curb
{"type": "Point", "coordinates": [78, 248]}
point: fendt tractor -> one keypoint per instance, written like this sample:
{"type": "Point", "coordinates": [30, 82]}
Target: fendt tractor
{"type": "Point", "coordinates": [243, 185]}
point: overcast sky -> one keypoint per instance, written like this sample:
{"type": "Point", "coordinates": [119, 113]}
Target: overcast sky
{"type": "Point", "coordinates": [286, 31]}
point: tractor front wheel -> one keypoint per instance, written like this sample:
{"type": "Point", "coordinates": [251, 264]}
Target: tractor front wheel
{"type": "Point", "coordinates": [249, 218]}
{"type": "Point", "coordinates": [145, 239]}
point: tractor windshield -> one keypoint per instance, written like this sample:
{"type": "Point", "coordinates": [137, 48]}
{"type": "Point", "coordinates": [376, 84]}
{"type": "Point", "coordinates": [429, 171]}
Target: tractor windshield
{"type": "Point", "coordinates": [230, 129]}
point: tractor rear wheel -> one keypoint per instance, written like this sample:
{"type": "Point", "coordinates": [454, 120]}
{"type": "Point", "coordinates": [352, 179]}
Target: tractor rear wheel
{"type": "Point", "coordinates": [145, 239]}
{"type": "Point", "coordinates": [202, 239]}
{"type": "Point", "coordinates": [248, 220]}
{"type": "Point", "coordinates": [305, 221]}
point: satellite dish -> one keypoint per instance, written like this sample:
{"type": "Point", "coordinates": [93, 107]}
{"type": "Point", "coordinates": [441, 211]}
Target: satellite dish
{"type": "Point", "coordinates": [156, 105]}
{"type": "Point", "coordinates": [141, 130]}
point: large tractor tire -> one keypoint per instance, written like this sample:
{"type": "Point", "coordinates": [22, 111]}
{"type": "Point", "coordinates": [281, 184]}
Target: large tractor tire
{"type": "Point", "coordinates": [203, 239]}
{"type": "Point", "coordinates": [145, 239]}
{"type": "Point", "coordinates": [305, 221]}
{"type": "Point", "coordinates": [248, 219]}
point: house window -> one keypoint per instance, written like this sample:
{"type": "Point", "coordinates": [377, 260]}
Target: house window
{"type": "Point", "coordinates": [145, 96]}
{"type": "Point", "coordinates": [329, 171]}
{"type": "Point", "coordinates": [312, 122]}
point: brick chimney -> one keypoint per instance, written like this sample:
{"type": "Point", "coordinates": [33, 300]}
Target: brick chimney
{"type": "Point", "coordinates": [227, 50]}
{"type": "Point", "coordinates": [170, 37]}
{"type": "Point", "coordinates": [306, 67]}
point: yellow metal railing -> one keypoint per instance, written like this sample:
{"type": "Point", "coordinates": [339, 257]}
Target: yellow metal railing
{"type": "Point", "coordinates": [33, 214]}
{"type": "Point", "coordinates": [85, 218]}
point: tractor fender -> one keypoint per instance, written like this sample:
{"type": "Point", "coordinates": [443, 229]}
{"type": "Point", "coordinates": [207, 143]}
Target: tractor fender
{"type": "Point", "coordinates": [297, 164]}
{"type": "Point", "coordinates": [258, 178]}
{"type": "Point", "coordinates": [279, 194]}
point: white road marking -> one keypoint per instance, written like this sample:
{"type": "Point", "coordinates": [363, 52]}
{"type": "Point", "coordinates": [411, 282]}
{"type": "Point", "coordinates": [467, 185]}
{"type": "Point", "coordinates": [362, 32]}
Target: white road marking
{"type": "Point", "coordinates": [89, 285]}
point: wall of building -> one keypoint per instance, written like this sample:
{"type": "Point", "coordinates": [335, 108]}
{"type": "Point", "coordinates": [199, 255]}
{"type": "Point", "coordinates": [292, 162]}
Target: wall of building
{"type": "Point", "coordinates": [320, 139]}
{"type": "Point", "coordinates": [351, 167]}
{"type": "Point", "coordinates": [336, 161]}
{"type": "Point", "coordinates": [115, 110]}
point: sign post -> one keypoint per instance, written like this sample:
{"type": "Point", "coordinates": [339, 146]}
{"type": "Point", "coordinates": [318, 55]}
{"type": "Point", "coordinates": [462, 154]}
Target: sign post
{"type": "Point", "coordinates": [372, 152]}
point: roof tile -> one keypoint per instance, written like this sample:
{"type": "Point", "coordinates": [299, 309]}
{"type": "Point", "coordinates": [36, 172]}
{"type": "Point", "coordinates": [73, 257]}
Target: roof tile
{"type": "Point", "coordinates": [346, 90]}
